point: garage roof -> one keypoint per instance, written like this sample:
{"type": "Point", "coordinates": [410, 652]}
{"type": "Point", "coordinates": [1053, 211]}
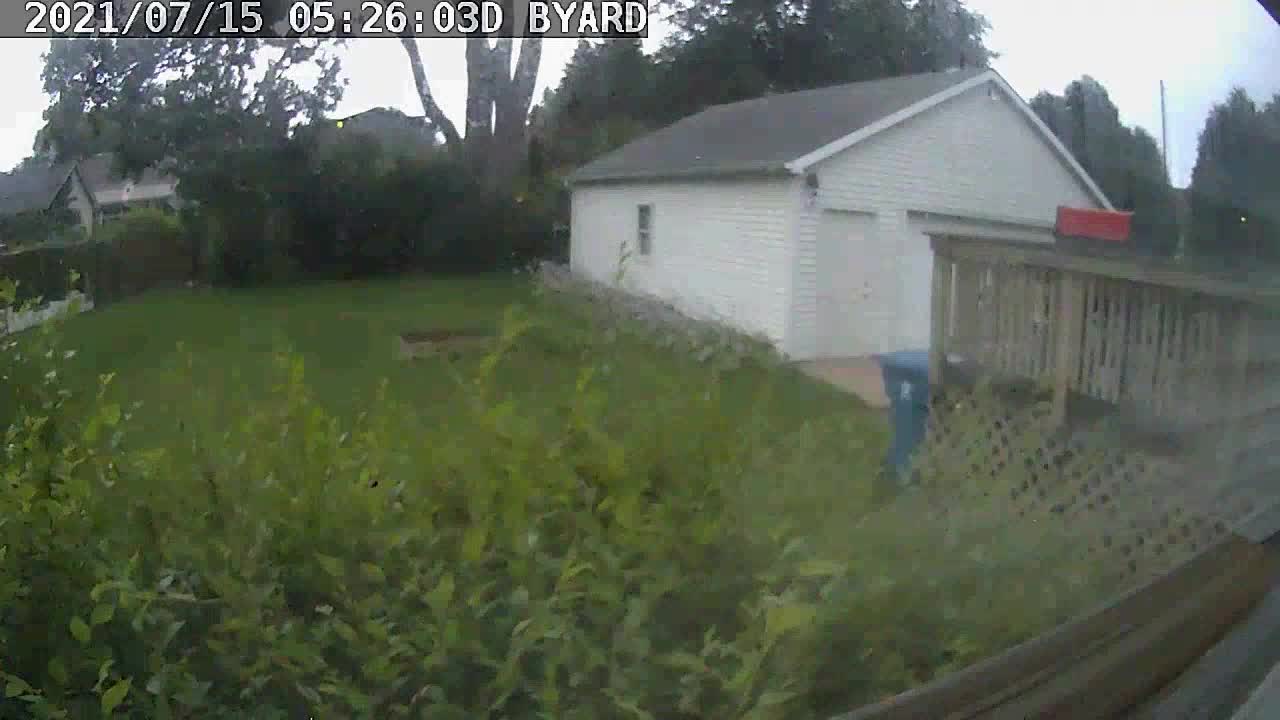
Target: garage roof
{"type": "Point", "coordinates": [787, 133]}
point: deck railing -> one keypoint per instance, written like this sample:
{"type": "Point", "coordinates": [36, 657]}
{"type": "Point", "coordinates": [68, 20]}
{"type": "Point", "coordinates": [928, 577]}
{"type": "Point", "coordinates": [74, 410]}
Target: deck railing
{"type": "Point", "coordinates": [1172, 350]}
{"type": "Point", "coordinates": [1172, 347]}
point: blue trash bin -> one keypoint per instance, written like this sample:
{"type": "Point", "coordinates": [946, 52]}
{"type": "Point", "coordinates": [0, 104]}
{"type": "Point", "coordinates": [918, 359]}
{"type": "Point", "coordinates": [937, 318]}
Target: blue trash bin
{"type": "Point", "coordinates": [906, 382]}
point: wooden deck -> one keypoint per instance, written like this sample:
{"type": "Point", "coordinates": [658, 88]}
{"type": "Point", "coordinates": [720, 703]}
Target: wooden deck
{"type": "Point", "coordinates": [1179, 373]}
{"type": "Point", "coordinates": [1167, 352]}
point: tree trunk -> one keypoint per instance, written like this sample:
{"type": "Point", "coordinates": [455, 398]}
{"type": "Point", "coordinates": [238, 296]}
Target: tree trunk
{"type": "Point", "coordinates": [429, 107]}
{"type": "Point", "coordinates": [817, 22]}
{"type": "Point", "coordinates": [497, 109]}
{"type": "Point", "coordinates": [511, 144]}
{"type": "Point", "coordinates": [482, 79]}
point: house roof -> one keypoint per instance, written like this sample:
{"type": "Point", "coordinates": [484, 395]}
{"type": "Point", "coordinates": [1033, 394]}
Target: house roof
{"type": "Point", "coordinates": [32, 188]}
{"type": "Point", "coordinates": [98, 173]}
{"type": "Point", "coordinates": [388, 122]}
{"type": "Point", "coordinates": [788, 133]}
{"type": "Point", "coordinates": [765, 133]}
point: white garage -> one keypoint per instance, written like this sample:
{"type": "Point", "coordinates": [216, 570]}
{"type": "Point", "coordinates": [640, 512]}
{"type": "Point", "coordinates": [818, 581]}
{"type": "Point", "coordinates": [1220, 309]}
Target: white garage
{"type": "Point", "coordinates": [802, 217]}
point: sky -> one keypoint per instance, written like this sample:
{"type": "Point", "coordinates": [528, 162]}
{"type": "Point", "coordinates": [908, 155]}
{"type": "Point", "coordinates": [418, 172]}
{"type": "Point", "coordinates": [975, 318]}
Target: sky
{"type": "Point", "coordinates": [1199, 48]}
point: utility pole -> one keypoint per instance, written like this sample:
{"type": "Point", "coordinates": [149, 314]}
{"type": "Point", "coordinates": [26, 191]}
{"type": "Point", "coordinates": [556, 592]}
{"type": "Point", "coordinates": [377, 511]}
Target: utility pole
{"type": "Point", "coordinates": [1164, 135]}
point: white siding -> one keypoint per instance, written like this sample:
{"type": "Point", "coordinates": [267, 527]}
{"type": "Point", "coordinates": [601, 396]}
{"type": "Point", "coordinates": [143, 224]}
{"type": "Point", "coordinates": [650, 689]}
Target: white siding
{"type": "Point", "coordinates": [720, 248]}
{"type": "Point", "coordinates": [128, 191]}
{"type": "Point", "coordinates": [78, 200]}
{"type": "Point", "coordinates": [972, 156]}
{"type": "Point", "coordinates": [846, 284]}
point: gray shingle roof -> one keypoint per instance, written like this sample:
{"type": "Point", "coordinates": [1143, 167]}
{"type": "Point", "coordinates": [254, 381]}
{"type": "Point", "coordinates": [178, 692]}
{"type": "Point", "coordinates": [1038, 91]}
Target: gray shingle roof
{"type": "Point", "coordinates": [390, 125]}
{"type": "Point", "coordinates": [98, 173]}
{"type": "Point", "coordinates": [32, 189]}
{"type": "Point", "coordinates": [763, 134]}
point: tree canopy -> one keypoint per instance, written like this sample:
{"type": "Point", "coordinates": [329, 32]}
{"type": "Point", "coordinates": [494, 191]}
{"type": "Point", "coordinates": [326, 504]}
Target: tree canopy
{"type": "Point", "coordinates": [183, 101]}
{"type": "Point", "coordinates": [605, 98]}
{"type": "Point", "coordinates": [1126, 162]}
{"type": "Point", "coordinates": [728, 50]}
{"type": "Point", "coordinates": [1235, 186]}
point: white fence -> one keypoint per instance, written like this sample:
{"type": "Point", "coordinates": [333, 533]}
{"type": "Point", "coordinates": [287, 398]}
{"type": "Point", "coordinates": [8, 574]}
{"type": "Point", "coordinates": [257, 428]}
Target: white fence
{"type": "Point", "coordinates": [12, 321]}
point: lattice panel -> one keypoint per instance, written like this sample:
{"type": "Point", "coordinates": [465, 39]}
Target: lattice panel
{"type": "Point", "coordinates": [1141, 512]}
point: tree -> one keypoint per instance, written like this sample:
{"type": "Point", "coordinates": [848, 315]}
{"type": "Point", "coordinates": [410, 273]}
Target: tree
{"type": "Point", "coordinates": [605, 98]}
{"type": "Point", "coordinates": [499, 96]}
{"type": "Point", "coordinates": [1125, 162]}
{"type": "Point", "coordinates": [208, 111]}
{"type": "Point", "coordinates": [184, 101]}
{"type": "Point", "coordinates": [1235, 186]}
{"type": "Point", "coordinates": [33, 161]}
{"type": "Point", "coordinates": [728, 50]}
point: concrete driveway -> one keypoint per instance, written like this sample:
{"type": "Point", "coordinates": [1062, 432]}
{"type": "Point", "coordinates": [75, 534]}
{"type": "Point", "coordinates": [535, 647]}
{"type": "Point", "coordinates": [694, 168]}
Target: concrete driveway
{"type": "Point", "coordinates": [857, 375]}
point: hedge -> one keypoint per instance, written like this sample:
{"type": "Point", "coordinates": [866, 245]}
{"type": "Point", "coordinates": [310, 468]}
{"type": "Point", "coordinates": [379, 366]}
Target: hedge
{"type": "Point", "coordinates": [45, 271]}
{"type": "Point", "coordinates": [139, 251]}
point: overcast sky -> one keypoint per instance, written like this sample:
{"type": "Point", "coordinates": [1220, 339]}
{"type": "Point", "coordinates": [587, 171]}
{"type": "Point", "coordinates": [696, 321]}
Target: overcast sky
{"type": "Point", "coordinates": [1200, 48]}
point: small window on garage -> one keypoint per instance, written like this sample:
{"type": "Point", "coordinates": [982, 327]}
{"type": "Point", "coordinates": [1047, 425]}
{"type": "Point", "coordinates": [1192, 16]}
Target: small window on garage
{"type": "Point", "coordinates": [644, 230]}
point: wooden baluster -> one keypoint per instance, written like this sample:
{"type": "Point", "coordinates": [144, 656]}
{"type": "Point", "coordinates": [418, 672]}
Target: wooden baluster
{"type": "Point", "coordinates": [1235, 384]}
{"type": "Point", "coordinates": [1069, 316]}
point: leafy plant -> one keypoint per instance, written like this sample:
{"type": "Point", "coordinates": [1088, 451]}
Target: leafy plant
{"type": "Point", "coordinates": [148, 250]}
{"type": "Point", "coordinates": [578, 559]}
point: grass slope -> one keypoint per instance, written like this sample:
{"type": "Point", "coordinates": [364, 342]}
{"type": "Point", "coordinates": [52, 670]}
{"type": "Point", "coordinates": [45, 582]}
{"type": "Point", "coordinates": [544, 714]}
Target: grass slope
{"type": "Point", "coordinates": [345, 335]}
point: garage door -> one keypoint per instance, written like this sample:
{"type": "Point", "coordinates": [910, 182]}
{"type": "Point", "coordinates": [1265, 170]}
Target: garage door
{"type": "Point", "coordinates": [915, 278]}
{"type": "Point", "coordinates": [852, 305]}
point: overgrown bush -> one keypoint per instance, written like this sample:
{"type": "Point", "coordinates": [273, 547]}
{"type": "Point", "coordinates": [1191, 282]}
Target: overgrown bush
{"type": "Point", "coordinates": [148, 251]}
{"type": "Point", "coordinates": [491, 231]}
{"type": "Point", "coordinates": [350, 207]}
{"type": "Point", "coordinates": [669, 560]}
{"type": "Point", "coordinates": [43, 272]}
{"type": "Point", "coordinates": [361, 209]}
{"type": "Point", "coordinates": [231, 199]}
{"type": "Point", "coordinates": [289, 566]}
{"type": "Point", "coordinates": [59, 225]}
{"type": "Point", "coordinates": [138, 251]}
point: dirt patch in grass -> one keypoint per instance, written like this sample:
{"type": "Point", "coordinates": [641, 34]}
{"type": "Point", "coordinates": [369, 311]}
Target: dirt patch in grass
{"type": "Point", "coordinates": [426, 343]}
{"type": "Point", "coordinates": [439, 336]}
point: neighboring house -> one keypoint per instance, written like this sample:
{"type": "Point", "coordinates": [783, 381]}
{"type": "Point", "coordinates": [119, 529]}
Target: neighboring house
{"type": "Point", "coordinates": [114, 192]}
{"type": "Point", "coordinates": [388, 125]}
{"type": "Point", "coordinates": [802, 217]}
{"type": "Point", "coordinates": [40, 190]}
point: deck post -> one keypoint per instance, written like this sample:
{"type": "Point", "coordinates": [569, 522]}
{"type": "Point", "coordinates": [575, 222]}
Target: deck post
{"type": "Point", "coordinates": [1237, 388]}
{"type": "Point", "coordinates": [1068, 316]}
{"type": "Point", "coordinates": [940, 312]}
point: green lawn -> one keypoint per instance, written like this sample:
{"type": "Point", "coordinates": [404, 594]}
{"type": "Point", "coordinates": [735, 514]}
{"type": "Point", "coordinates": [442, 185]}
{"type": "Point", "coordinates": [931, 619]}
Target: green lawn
{"type": "Point", "coordinates": [345, 334]}
{"type": "Point", "coordinates": [728, 517]}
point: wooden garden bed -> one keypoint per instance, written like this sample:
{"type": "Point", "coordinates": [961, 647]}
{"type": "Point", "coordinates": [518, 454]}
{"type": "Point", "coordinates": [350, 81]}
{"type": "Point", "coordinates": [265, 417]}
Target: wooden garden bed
{"type": "Point", "coordinates": [428, 343]}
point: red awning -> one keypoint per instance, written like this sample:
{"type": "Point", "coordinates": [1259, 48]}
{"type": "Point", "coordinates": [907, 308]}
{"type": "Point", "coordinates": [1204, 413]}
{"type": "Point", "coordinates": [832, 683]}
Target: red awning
{"type": "Point", "coordinates": [1105, 225]}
